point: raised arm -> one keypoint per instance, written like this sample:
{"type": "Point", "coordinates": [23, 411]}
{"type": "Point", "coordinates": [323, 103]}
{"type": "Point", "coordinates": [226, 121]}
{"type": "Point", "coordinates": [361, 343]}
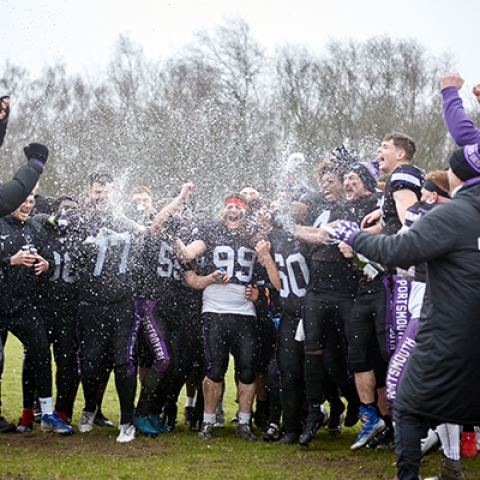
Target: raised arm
{"type": "Point", "coordinates": [265, 258]}
{"type": "Point", "coordinates": [164, 213]}
{"type": "Point", "coordinates": [459, 124]}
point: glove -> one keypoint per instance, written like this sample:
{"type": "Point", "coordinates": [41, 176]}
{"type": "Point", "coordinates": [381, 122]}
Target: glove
{"type": "Point", "coordinates": [37, 153]}
{"type": "Point", "coordinates": [345, 231]}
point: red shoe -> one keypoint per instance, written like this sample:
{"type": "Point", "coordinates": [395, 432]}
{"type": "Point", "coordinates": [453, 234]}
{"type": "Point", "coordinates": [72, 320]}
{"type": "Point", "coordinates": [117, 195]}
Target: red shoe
{"type": "Point", "coordinates": [468, 444]}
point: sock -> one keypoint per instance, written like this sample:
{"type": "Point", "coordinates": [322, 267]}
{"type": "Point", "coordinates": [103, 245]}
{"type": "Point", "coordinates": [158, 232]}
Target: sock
{"type": "Point", "coordinates": [244, 418]}
{"type": "Point", "coordinates": [190, 401]}
{"type": "Point", "coordinates": [450, 437]}
{"type": "Point", "coordinates": [388, 421]}
{"type": "Point", "coordinates": [46, 404]}
{"type": "Point", "coordinates": [27, 416]}
{"type": "Point", "coordinates": [62, 416]}
{"type": "Point", "coordinates": [209, 417]}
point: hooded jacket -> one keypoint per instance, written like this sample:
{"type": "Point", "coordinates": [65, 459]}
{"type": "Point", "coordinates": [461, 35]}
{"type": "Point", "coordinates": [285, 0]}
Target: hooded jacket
{"type": "Point", "coordinates": [441, 379]}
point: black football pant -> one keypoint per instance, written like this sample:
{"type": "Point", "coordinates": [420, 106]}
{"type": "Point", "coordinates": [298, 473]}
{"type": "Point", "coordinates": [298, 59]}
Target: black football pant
{"type": "Point", "coordinates": [290, 360]}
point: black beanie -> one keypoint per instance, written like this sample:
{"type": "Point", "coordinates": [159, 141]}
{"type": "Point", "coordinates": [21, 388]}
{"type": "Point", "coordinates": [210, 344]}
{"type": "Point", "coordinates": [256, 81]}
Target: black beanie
{"type": "Point", "coordinates": [365, 176]}
{"type": "Point", "coordinates": [465, 162]}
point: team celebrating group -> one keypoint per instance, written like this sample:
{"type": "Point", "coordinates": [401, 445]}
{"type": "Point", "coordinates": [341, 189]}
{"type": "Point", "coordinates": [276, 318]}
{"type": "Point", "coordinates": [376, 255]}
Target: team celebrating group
{"type": "Point", "coordinates": [333, 303]}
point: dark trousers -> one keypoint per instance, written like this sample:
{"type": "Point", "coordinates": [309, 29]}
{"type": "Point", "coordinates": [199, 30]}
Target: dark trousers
{"type": "Point", "coordinates": [28, 327]}
{"type": "Point", "coordinates": [107, 334]}
{"type": "Point", "coordinates": [409, 430]}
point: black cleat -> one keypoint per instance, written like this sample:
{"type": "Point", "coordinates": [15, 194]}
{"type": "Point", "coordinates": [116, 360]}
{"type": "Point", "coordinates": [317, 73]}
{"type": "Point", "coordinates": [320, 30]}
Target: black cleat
{"type": "Point", "coordinates": [6, 426]}
{"type": "Point", "coordinates": [384, 440]}
{"type": "Point", "coordinates": [316, 418]}
{"type": "Point", "coordinates": [272, 434]}
{"type": "Point", "coordinates": [288, 439]}
{"type": "Point", "coordinates": [244, 431]}
{"type": "Point", "coordinates": [102, 421]}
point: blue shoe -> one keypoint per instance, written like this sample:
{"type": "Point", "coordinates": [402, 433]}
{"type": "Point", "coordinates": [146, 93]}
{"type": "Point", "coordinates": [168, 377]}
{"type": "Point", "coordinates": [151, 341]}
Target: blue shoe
{"type": "Point", "coordinates": [157, 423]}
{"type": "Point", "coordinates": [143, 425]}
{"type": "Point", "coordinates": [52, 423]}
{"type": "Point", "coordinates": [371, 425]}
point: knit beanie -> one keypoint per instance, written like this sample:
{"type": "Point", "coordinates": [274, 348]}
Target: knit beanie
{"type": "Point", "coordinates": [368, 173]}
{"type": "Point", "coordinates": [465, 162]}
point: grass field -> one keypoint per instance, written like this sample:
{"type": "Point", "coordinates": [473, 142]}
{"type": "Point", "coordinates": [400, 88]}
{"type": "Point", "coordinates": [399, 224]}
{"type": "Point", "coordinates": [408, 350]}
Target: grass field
{"type": "Point", "coordinates": [180, 455]}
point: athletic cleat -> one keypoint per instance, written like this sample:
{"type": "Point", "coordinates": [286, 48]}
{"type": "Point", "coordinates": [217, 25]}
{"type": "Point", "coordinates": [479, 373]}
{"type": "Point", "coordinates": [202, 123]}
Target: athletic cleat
{"type": "Point", "coordinates": [272, 434]}
{"type": "Point", "coordinates": [24, 428]}
{"type": "Point", "coordinates": [219, 420]}
{"type": "Point", "coordinates": [430, 443]}
{"type": "Point", "coordinates": [371, 425]}
{"type": "Point", "coordinates": [127, 433]}
{"type": "Point", "coordinates": [51, 423]}
{"type": "Point", "coordinates": [244, 431]}
{"type": "Point", "coordinates": [6, 426]}
{"type": "Point", "coordinates": [288, 439]}
{"type": "Point", "coordinates": [157, 423]}
{"type": "Point", "coordinates": [143, 425]}
{"type": "Point", "coordinates": [86, 421]}
{"type": "Point", "coordinates": [451, 471]}
{"type": "Point", "coordinates": [335, 423]}
{"type": "Point", "coordinates": [468, 445]}
{"type": "Point", "coordinates": [205, 432]}
{"type": "Point", "coordinates": [102, 421]}
{"type": "Point", "coordinates": [187, 413]}
{"type": "Point", "coordinates": [317, 417]}
{"type": "Point", "coordinates": [384, 440]}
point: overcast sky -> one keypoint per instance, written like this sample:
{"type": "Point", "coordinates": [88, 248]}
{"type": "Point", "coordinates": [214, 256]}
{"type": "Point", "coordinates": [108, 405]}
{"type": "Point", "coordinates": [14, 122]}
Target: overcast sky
{"type": "Point", "coordinates": [82, 33]}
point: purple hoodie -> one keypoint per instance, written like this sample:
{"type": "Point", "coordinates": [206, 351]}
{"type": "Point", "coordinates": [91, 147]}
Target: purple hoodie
{"type": "Point", "coordinates": [459, 124]}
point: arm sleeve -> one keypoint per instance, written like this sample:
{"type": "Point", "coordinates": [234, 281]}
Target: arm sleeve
{"type": "Point", "coordinates": [459, 124]}
{"type": "Point", "coordinates": [428, 238]}
{"type": "Point", "coordinates": [14, 192]}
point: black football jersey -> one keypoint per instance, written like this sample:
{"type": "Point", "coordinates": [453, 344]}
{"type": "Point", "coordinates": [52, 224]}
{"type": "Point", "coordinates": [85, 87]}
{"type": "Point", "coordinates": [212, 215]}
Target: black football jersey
{"type": "Point", "coordinates": [105, 252]}
{"type": "Point", "coordinates": [227, 249]}
{"type": "Point", "coordinates": [404, 177]}
{"type": "Point", "coordinates": [293, 266]}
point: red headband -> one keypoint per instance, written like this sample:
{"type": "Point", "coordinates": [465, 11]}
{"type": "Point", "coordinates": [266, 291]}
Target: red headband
{"type": "Point", "coordinates": [236, 201]}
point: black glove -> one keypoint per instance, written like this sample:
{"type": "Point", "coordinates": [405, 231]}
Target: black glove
{"type": "Point", "coordinates": [37, 153]}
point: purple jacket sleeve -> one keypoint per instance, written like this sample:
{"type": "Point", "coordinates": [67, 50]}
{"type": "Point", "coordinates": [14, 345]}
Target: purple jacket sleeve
{"type": "Point", "coordinates": [459, 124]}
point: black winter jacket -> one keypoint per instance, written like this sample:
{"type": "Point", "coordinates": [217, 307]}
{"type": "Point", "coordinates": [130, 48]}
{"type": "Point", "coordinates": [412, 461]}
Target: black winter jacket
{"type": "Point", "coordinates": [19, 286]}
{"type": "Point", "coordinates": [442, 377]}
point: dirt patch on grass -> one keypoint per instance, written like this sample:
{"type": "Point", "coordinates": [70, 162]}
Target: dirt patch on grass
{"type": "Point", "coordinates": [100, 444]}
